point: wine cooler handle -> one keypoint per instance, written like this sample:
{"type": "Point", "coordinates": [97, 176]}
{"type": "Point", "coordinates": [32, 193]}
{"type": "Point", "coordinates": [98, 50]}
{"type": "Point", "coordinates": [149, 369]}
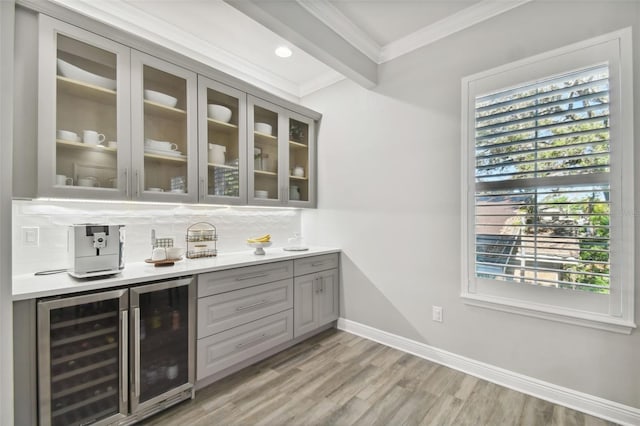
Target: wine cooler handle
{"type": "Point", "coordinates": [136, 351]}
{"type": "Point", "coordinates": [124, 321]}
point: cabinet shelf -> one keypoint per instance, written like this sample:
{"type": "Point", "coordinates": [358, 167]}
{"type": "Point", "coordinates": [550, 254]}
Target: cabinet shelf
{"type": "Point", "coordinates": [82, 354]}
{"type": "Point", "coordinates": [181, 159]}
{"type": "Point", "coordinates": [294, 144]}
{"type": "Point", "coordinates": [163, 110]}
{"type": "Point", "coordinates": [221, 126]}
{"type": "Point", "coordinates": [84, 385]}
{"type": "Point", "coordinates": [298, 177]}
{"type": "Point", "coordinates": [84, 336]}
{"type": "Point", "coordinates": [263, 137]}
{"type": "Point", "coordinates": [84, 146]}
{"type": "Point", "coordinates": [86, 90]}
{"type": "Point", "coordinates": [223, 166]}
{"type": "Point", "coordinates": [265, 173]}
{"type": "Point", "coordinates": [83, 403]}
{"type": "Point", "coordinates": [83, 320]}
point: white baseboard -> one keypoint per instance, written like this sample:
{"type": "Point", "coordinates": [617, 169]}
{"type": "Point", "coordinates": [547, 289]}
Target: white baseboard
{"type": "Point", "coordinates": [593, 405]}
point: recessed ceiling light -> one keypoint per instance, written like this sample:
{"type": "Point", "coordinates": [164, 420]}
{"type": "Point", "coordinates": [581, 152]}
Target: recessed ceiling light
{"type": "Point", "coordinates": [283, 51]}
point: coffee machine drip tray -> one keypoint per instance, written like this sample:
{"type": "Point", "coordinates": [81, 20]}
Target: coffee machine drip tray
{"type": "Point", "coordinates": [93, 274]}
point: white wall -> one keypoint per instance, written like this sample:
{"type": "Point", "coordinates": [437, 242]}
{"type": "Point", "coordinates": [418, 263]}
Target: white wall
{"type": "Point", "coordinates": [389, 195]}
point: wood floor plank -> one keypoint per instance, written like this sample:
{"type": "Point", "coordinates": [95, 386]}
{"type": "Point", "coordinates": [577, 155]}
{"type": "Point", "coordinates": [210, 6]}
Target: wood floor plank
{"type": "Point", "coordinates": [339, 379]}
{"type": "Point", "coordinates": [384, 408]}
{"type": "Point", "coordinates": [344, 415]}
{"type": "Point", "coordinates": [536, 412]}
{"type": "Point", "coordinates": [443, 412]}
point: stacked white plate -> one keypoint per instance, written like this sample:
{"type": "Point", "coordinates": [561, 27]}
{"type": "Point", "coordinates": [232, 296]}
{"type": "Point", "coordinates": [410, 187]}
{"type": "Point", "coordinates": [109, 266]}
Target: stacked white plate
{"type": "Point", "coordinates": [170, 153]}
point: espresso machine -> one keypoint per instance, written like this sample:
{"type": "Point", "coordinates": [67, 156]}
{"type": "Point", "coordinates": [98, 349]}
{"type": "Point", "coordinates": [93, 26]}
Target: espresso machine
{"type": "Point", "coordinates": [95, 250]}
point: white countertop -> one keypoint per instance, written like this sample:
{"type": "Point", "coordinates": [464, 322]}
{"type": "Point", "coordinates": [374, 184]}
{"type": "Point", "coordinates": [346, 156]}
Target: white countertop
{"type": "Point", "coordinates": [30, 286]}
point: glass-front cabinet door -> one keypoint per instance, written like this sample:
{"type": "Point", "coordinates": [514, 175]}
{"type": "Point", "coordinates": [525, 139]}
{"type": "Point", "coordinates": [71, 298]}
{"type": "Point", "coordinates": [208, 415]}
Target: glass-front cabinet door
{"type": "Point", "coordinates": [266, 128]}
{"type": "Point", "coordinates": [84, 113]}
{"type": "Point", "coordinates": [301, 160]}
{"type": "Point", "coordinates": [283, 147]}
{"type": "Point", "coordinates": [82, 359]}
{"type": "Point", "coordinates": [222, 143]}
{"type": "Point", "coordinates": [163, 341]}
{"type": "Point", "coordinates": [164, 130]}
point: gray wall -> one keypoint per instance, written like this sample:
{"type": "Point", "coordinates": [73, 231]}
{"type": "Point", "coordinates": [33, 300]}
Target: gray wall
{"type": "Point", "coordinates": [389, 195]}
{"type": "Point", "coordinates": [6, 137]}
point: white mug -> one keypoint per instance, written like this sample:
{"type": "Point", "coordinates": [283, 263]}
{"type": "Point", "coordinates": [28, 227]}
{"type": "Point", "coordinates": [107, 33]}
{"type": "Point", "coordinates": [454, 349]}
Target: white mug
{"type": "Point", "coordinates": [63, 180]}
{"type": "Point", "coordinates": [92, 137]}
{"type": "Point", "coordinates": [88, 181]}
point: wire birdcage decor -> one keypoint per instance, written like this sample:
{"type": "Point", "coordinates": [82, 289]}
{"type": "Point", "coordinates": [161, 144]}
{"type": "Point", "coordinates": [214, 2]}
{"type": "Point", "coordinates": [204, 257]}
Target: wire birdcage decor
{"type": "Point", "coordinates": [201, 240]}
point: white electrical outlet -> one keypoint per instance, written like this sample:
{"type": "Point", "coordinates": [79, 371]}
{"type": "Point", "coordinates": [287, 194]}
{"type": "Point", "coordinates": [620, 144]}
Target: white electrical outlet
{"type": "Point", "coordinates": [436, 313]}
{"type": "Point", "coordinates": [30, 236]}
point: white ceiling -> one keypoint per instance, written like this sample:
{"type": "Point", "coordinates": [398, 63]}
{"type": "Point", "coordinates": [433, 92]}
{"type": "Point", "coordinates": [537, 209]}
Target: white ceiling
{"type": "Point", "coordinates": [330, 39]}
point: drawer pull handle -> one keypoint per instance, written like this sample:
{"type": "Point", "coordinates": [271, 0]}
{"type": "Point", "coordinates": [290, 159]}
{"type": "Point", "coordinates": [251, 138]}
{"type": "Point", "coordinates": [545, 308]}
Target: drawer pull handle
{"type": "Point", "coordinates": [248, 342]}
{"type": "Point", "coordinates": [250, 277]}
{"type": "Point", "coordinates": [253, 305]}
{"type": "Point", "coordinates": [317, 264]}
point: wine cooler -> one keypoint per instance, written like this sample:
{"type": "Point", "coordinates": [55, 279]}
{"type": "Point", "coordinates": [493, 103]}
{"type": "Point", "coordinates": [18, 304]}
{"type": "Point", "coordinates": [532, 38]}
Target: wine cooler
{"type": "Point", "coordinates": [116, 356]}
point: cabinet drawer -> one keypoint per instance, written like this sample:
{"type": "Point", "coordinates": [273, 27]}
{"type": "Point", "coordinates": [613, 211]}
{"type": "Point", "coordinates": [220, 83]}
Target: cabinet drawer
{"type": "Point", "coordinates": [237, 278]}
{"type": "Point", "coordinates": [222, 350]}
{"type": "Point", "coordinates": [309, 265]}
{"type": "Point", "coordinates": [227, 310]}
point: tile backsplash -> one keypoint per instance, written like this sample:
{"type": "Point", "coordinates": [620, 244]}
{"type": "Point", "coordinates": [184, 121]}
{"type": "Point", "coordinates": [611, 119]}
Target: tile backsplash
{"type": "Point", "coordinates": [52, 218]}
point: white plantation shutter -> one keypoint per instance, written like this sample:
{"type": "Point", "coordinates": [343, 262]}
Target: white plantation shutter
{"type": "Point", "coordinates": [542, 182]}
{"type": "Point", "coordinates": [548, 200]}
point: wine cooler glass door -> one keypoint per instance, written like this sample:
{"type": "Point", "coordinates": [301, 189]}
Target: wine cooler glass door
{"type": "Point", "coordinates": [162, 341]}
{"type": "Point", "coordinates": [82, 355]}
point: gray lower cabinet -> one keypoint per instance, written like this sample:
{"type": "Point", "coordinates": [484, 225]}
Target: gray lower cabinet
{"type": "Point", "coordinates": [316, 300]}
{"type": "Point", "coordinates": [222, 350]}
{"type": "Point", "coordinates": [245, 312]}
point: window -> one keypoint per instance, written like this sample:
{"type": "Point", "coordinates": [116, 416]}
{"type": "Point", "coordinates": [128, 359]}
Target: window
{"type": "Point", "coordinates": [548, 179]}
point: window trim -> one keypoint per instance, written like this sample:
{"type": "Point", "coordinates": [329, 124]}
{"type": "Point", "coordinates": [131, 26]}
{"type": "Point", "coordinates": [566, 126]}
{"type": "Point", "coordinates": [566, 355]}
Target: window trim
{"type": "Point", "coordinates": [621, 298]}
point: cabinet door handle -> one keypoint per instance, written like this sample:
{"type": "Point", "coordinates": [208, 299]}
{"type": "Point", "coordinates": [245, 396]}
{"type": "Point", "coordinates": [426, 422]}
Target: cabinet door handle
{"type": "Point", "coordinates": [124, 323]}
{"type": "Point", "coordinates": [316, 285]}
{"type": "Point", "coordinates": [126, 183]}
{"type": "Point", "coordinates": [249, 277]}
{"type": "Point", "coordinates": [137, 184]}
{"type": "Point", "coordinates": [250, 341]}
{"type": "Point", "coordinates": [136, 351]}
{"type": "Point", "coordinates": [202, 189]}
{"type": "Point", "coordinates": [253, 305]}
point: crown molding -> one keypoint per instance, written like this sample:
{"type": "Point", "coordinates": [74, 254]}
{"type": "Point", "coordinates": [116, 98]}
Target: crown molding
{"type": "Point", "coordinates": [124, 16]}
{"type": "Point", "coordinates": [321, 82]}
{"type": "Point", "coordinates": [328, 14]}
{"type": "Point", "coordinates": [459, 21]}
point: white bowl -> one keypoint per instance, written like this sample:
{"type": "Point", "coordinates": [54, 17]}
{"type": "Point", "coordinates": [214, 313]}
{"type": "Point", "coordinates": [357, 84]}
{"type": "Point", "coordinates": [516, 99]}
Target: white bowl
{"type": "Point", "coordinates": [160, 98]}
{"type": "Point", "coordinates": [67, 135]}
{"type": "Point", "coordinates": [160, 145]}
{"type": "Point", "coordinates": [71, 71]}
{"type": "Point", "coordinates": [174, 252]}
{"type": "Point", "coordinates": [219, 112]}
{"type": "Point", "coordinates": [263, 128]}
{"type": "Point", "coordinates": [261, 194]}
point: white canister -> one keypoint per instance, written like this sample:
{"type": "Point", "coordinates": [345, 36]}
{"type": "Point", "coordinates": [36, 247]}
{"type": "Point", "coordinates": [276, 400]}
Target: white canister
{"type": "Point", "coordinates": [216, 153]}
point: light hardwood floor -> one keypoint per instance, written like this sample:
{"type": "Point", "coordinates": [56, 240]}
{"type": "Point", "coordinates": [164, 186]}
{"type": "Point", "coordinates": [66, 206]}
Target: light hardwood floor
{"type": "Point", "coordinates": [336, 378]}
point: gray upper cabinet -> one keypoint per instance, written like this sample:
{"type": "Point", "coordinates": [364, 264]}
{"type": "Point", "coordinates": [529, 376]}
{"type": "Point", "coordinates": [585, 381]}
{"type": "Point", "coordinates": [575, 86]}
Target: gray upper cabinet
{"type": "Point", "coordinates": [164, 142]}
{"type": "Point", "coordinates": [283, 145]}
{"type": "Point", "coordinates": [222, 136]}
{"type": "Point", "coordinates": [116, 123]}
{"type": "Point", "coordinates": [83, 113]}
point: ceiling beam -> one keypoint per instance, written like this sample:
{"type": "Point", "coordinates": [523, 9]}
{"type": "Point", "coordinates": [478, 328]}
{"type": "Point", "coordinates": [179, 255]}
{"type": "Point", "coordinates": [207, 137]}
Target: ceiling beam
{"type": "Point", "coordinates": [296, 24]}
